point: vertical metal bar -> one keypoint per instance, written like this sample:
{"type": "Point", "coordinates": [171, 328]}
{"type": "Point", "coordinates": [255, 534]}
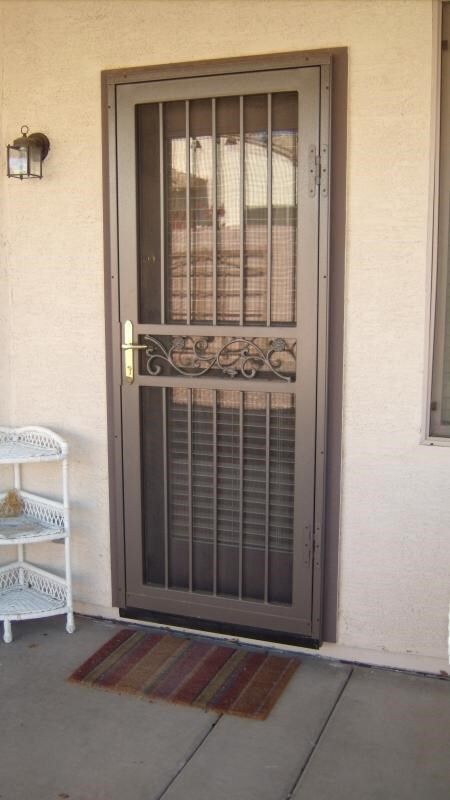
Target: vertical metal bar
{"type": "Point", "coordinates": [269, 210]}
{"type": "Point", "coordinates": [241, 488]}
{"type": "Point", "coordinates": [162, 213]}
{"type": "Point", "coordinates": [188, 217]}
{"type": "Point", "coordinates": [214, 208]}
{"type": "Point", "coordinates": [189, 431]}
{"type": "Point", "coordinates": [166, 489]}
{"type": "Point", "coordinates": [215, 492]}
{"type": "Point", "coordinates": [242, 208]}
{"type": "Point", "coordinates": [267, 509]}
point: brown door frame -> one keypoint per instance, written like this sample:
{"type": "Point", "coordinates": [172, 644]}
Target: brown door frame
{"type": "Point", "coordinates": [238, 610]}
{"type": "Point", "coordinates": [332, 250]}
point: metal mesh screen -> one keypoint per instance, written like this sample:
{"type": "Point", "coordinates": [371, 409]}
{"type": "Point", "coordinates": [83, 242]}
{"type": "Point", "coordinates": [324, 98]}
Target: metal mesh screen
{"type": "Point", "coordinates": [220, 241]}
{"type": "Point", "coordinates": [229, 460]}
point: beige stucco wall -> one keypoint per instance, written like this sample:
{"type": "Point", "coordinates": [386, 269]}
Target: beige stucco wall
{"type": "Point", "coordinates": [395, 543]}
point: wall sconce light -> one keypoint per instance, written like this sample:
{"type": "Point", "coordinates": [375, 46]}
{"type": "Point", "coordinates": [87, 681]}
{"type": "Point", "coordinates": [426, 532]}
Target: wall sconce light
{"type": "Point", "coordinates": [26, 154]}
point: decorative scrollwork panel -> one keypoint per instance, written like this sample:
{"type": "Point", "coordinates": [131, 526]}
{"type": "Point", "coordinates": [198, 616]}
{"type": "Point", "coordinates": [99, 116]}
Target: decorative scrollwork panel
{"type": "Point", "coordinates": [219, 356]}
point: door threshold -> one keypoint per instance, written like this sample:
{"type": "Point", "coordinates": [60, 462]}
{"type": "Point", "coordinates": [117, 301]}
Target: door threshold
{"type": "Point", "coordinates": [226, 629]}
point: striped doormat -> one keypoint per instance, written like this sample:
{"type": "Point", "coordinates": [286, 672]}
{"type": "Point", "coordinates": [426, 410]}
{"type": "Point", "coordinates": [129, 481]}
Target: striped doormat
{"type": "Point", "coordinates": [181, 669]}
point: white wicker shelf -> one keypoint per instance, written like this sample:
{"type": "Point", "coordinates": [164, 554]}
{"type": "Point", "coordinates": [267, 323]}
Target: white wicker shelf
{"type": "Point", "coordinates": [21, 445]}
{"type": "Point", "coordinates": [26, 591]}
{"type": "Point", "coordinates": [41, 520]}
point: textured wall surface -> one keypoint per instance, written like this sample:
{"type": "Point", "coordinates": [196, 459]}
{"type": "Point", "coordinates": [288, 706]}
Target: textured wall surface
{"type": "Point", "coordinates": [395, 544]}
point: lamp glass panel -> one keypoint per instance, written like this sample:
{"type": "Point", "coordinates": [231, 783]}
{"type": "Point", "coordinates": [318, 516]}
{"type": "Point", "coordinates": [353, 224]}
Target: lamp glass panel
{"type": "Point", "coordinates": [17, 160]}
{"type": "Point", "coordinates": [35, 160]}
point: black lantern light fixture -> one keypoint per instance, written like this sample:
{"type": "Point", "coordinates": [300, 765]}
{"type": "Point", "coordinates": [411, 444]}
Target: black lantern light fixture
{"type": "Point", "coordinates": [26, 154]}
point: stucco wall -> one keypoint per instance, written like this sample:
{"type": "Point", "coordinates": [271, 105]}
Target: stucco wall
{"type": "Point", "coordinates": [395, 543]}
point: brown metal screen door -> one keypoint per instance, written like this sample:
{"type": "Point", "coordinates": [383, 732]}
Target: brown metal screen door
{"type": "Point", "coordinates": [218, 257]}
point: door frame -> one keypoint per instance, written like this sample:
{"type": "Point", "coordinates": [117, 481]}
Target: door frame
{"type": "Point", "coordinates": [333, 63]}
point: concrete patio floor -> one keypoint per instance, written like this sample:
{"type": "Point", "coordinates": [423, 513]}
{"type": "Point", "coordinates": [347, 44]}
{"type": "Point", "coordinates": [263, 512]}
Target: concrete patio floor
{"type": "Point", "coordinates": [338, 732]}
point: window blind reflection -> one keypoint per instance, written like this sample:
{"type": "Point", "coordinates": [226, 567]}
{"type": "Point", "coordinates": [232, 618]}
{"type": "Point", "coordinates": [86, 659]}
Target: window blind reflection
{"type": "Point", "coordinates": [230, 165]}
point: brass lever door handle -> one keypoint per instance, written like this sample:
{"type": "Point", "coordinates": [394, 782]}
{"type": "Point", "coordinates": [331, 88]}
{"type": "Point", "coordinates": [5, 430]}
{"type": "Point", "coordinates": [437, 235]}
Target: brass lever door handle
{"type": "Point", "coordinates": [128, 346]}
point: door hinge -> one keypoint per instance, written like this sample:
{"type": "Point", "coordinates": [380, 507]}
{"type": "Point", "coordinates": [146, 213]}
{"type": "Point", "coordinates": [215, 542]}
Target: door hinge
{"type": "Point", "coordinates": [308, 545]}
{"type": "Point", "coordinates": [318, 170]}
{"type": "Point", "coordinates": [316, 547]}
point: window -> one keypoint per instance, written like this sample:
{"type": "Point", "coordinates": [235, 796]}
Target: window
{"type": "Point", "coordinates": [440, 390]}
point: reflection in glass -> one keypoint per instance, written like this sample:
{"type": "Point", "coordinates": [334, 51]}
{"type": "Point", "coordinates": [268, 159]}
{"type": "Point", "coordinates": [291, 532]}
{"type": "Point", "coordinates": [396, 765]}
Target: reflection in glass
{"type": "Point", "coordinates": [202, 470]}
{"type": "Point", "coordinates": [255, 209]}
{"type": "Point", "coordinates": [284, 205]}
{"type": "Point", "coordinates": [176, 234]}
{"type": "Point", "coordinates": [201, 205]}
{"type": "Point", "coordinates": [228, 210]}
{"type": "Point", "coordinates": [234, 260]}
{"type": "Point", "coordinates": [281, 444]}
{"type": "Point", "coordinates": [149, 212]}
{"type": "Point", "coordinates": [178, 484]}
{"type": "Point", "coordinates": [230, 484]}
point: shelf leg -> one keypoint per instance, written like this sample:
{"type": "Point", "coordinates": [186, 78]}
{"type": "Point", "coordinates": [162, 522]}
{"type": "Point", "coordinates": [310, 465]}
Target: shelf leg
{"type": "Point", "coordinates": [70, 625]}
{"type": "Point", "coordinates": [7, 633]}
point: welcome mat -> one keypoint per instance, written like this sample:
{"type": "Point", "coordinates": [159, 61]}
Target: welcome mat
{"type": "Point", "coordinates": [180, 669]}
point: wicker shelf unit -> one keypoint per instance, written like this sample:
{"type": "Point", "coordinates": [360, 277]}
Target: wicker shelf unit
{"type": "Point", "coordinates": [27, 591]}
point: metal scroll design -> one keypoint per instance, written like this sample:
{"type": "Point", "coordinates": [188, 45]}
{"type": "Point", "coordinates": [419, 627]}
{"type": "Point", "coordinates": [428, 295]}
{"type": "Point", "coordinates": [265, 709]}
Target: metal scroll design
{"type": "Point", "coordinates": [237, 357]}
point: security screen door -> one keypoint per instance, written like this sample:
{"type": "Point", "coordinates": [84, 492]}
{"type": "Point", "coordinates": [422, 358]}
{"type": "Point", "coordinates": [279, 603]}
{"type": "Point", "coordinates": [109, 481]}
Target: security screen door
{"type": "Point", "coordinates": [218, 258]}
